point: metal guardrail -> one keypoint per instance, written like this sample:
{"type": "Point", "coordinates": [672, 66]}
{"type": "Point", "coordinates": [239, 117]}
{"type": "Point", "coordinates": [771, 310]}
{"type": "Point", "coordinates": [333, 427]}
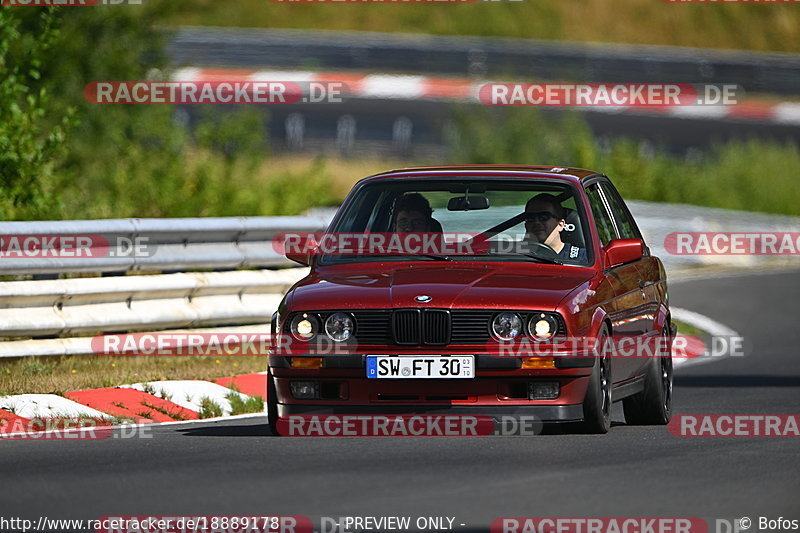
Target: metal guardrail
{"type": "Point", "coordinates": [172, 244]}
{"type": "Point", "coordinates": [139, 303]}
{"type": "Point", "coordinates": [57, 316]}
{"type": "Point", "coordinates": [776, 73]}
{"type": "Point", "coordinates": [70, 310]}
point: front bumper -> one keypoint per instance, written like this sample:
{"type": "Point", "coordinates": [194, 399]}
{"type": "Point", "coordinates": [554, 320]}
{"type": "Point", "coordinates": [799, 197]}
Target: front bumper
{"type": "Point", "coordinates": [544, 413]}
{"type": "Point", "coordinates": [493, 392]}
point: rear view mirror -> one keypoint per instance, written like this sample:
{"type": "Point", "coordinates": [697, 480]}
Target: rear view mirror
{"type": "Point", "coordinates": [467, 203]}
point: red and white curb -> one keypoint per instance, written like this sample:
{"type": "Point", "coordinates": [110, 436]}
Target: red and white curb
{"type": "Point", "coordinates": [407, 87]}
{"type": "Point", "coordinates": [190, 394]}
{"type": "Point", "coordinates": [145, 403]}
{"type": "Point", "coordinates": [695, 347]}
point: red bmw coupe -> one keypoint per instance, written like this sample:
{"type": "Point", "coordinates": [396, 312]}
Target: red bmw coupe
{"type": "Point", "coordinates": [431, 285]}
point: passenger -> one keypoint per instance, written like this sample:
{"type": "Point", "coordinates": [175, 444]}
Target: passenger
{"type": "Point", "coordinates": [545, 224]}
{"type": "Point", "coordinates": [412, 213]}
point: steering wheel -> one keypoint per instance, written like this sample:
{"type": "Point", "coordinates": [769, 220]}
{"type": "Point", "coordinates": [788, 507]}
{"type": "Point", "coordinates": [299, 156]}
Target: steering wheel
{"type": "Point", "coordinates": [540, 249]}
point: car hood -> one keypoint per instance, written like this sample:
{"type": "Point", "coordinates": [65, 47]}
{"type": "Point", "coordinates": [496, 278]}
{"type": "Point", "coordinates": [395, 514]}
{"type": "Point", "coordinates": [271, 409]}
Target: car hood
{"type": "Point", "coordinates": [479, 285]}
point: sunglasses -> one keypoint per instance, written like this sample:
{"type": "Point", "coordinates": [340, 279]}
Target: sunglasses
{"type": "Point", "coordinates": [541, 216]}
{"type": "Point", "coordinates": [412, 223]}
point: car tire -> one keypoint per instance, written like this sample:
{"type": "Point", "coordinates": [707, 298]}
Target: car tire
{"type": "Point", "coordinates": [653, 405]}
{"type": "Point", "coordinates": [272, 405]}
{"type": "Point", "coordinates": [597, 403]}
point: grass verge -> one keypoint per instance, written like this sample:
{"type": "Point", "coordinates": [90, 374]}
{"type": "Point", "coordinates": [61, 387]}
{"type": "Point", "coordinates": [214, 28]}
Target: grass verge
{"type": "Point", "coordinates": [684, 328]}
{"type": "Point", "coordinates": [57, 375]}
{"type": "Point", "coordinates": [209, 408]}
{"type": "Point", "coordinates": [737, 25]}
{"type": "Point", "coordinates": [239, 406]}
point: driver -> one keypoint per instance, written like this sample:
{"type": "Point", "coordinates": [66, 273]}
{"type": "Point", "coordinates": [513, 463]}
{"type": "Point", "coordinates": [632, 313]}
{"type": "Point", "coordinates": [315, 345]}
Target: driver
{"type": "Point", "coordinates": [545, 223]}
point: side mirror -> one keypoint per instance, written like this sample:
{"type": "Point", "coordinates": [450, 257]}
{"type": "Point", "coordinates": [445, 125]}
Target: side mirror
{"type": "Point", "coordinates": [299, 248]}
{"type": "Point", "coordinates": [621, 251]}
{"type": "Point", "coordinates": [302, 258]}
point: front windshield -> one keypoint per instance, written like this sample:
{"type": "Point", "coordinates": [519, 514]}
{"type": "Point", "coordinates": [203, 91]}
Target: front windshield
{"type": "Point", "coordinates": [522, 220]}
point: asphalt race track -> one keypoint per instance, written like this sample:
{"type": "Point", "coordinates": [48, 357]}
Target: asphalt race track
{"type": "Point", "coordinates": [237, 468]}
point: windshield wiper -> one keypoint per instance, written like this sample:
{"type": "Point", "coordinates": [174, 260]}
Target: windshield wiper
{"type": "Point", "coordinates": [431, 256]}
{"type": "Point", "coordinates": [537, 258]}
{"type": "Point", "coordinates": [354, 258]}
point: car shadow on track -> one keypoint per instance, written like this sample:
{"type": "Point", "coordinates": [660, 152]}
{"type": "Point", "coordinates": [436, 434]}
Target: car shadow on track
{"type": "Point", "coordinates": [244, 430]}
{"type": "Point", "coordinates": [762, 380]}
{"type": "Point", "coordinates": [262, 430]}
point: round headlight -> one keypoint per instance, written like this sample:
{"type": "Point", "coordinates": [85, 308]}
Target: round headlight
{"type": "Point", "coordinates": [339, 326]}
{"type": "Point", "coordinates": [542, 326]}
{"type": "Point", "coordinates": [304, 326]}
{"type": "Point", "coordinates": [506, 326]}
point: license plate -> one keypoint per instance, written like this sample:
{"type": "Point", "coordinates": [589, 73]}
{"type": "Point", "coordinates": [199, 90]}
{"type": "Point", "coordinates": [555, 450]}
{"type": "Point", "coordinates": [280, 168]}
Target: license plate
{"type": "Point", "coordinates": [420, 366]}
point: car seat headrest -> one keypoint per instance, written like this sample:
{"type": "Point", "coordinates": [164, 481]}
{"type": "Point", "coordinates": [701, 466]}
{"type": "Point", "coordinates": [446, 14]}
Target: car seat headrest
{"type": "Point", "coordinates": [573, 232]}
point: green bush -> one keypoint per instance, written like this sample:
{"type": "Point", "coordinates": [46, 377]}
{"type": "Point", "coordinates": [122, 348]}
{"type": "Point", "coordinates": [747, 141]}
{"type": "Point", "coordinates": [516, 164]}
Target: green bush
{"type": "Point", "coordinates": [124, 160]}
{"type": "Point", "coordinates": [31, 138]}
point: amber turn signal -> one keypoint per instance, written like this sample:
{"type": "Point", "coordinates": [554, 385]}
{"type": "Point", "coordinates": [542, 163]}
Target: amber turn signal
{"type": "Point", "coordinates": [538, 362]}
{"type": "Point", "coordinates": [306, 362]}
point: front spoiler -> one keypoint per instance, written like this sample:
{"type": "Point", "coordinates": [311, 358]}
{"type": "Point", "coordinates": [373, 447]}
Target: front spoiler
{"type": "Point", "coordinates": [545, 413]}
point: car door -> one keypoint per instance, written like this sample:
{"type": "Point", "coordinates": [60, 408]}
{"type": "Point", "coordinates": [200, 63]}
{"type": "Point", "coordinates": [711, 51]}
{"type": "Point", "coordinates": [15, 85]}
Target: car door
{"type": "Point", "coordinates": [650, 272]}
{"type": "Point", "coordinates": [626, 309]}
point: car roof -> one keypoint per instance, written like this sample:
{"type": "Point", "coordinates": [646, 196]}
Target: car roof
{"type": "Point", "coordinates": [489, 171]}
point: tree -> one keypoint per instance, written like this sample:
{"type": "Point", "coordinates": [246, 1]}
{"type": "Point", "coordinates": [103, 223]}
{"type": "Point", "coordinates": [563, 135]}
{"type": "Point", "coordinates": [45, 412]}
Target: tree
{"type": "Point", "coordinates": [32, 132]}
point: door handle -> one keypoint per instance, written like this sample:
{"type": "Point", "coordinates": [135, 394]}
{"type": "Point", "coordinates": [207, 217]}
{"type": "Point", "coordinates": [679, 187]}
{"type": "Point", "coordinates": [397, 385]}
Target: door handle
{"type": "Point", "coordinates": [641, 288]}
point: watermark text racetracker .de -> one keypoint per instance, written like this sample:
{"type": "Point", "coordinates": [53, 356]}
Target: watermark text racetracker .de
{"type": "Point", "coordinates": [639, 525]}
{"type": "Point", "coordinates": [216, 344]}
{"type": "Point", "coordinates": [407, 425]}
{"type": "Point", "coordinates": [735, 425]}
{"type": "Point", "coordinates": [620, 346]}
{"type": "Point", "coordinates": [783, 243]}
{"type": "Point", "coordinates": [598, 525]}
{"type": "Point", "coordinates": [608, 94]}
{"type": "Point", "coordinates": [69, 3]}
{"type": "Point", "coordinates": [73, 246]}
{"type": "Point", "coordinates": [70, 428]}
{"type": "Point", "coordinates": [383, 243]}
{"type": "Point", "coordinates": [188, 344]}
{"type": "Point", "coordinates": [216, 92]}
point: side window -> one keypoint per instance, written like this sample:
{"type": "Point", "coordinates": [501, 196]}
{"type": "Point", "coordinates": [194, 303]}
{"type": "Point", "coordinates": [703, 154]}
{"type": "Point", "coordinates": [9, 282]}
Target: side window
{"type": "Point", "coordinates": [605, 226]}
{"type": "Point", "coordinates": [625, 224]}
